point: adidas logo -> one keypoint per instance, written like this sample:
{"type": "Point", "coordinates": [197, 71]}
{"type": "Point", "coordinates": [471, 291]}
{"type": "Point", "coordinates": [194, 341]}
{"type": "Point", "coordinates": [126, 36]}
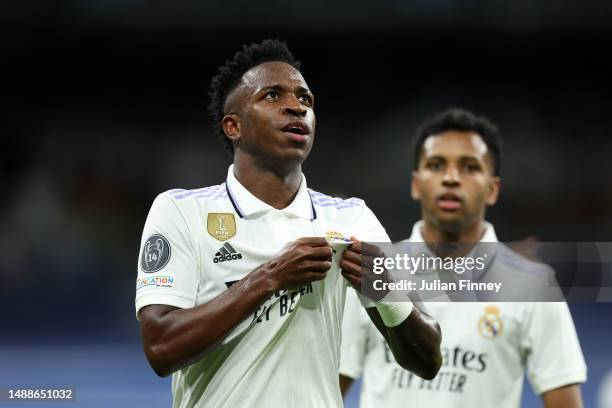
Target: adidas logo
{"type": "Point", "coordinates": [226, 253]}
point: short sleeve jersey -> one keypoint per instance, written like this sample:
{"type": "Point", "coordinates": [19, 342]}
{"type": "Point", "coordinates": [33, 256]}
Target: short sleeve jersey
{"type": "Point", "coordinates": [486, 348]}
{"type": "Point", "coordinates": [197, 243]}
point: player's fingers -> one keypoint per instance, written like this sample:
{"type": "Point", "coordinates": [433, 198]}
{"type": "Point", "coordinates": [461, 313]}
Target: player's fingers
{"type": "Point", "coordinates": [315, 276]}
{"type": "Point", "coordinates": [365, 248]}
{"type": "Point", "coordinates": [371, 250]}
{"type": "Point", "coordinates": [322, 253]}
{"type": "Point", "coordinates": [356, 244]}
{"type": "Point", "coordinates": [350, 267]}
{"type": "Point", "coordinates": [353, 280]}
{"type": "Point", "coordinates": [315, 266]}
{"type": "Point", "coordinates": [314, 241]}
{"type": "Point", "coordinates": [358, 259]}
{"type": "Point", "coordinates": [352, 256]}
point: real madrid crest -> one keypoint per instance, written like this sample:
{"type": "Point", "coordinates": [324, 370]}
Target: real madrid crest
{"type": "Point", "coordinates": [331, 235]}
{"type": "Point", "coordinates": [490, 324]}
{"type": "Point", "coordinates": [221, 226]}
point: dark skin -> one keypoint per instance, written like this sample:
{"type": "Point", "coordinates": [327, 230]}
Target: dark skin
{"type": "Point", "coordinates": [262, 114]}
{"type": "Point", "coordinates": [459, 163]}
{"type": "Point", "coordinates": [415, 343]}
{"type": "Point", "coordinates": [456, 164]}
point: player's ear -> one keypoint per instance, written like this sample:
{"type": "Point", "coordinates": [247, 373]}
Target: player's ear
{"type": "Point", "coordinates": [494, 185]}
{"type": "Point", "coordinates": [415, 186]}
{"type": "Point", "coordinates": [231, 126]}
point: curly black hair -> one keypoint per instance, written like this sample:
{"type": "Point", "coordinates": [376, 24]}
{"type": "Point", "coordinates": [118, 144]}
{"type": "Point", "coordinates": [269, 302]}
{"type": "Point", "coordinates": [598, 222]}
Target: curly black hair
{"type": "Point", "coordinates": [231, 72]}
{"type": "Point", "coordinates": [464, 121]}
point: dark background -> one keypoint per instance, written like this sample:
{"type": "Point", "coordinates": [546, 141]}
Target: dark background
{"type": "Point", "coordinates": [105, 108]}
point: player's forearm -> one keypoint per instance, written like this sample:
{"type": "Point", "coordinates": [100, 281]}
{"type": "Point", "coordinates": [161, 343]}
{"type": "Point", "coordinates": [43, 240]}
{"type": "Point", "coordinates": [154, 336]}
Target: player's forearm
{"type": "Point", "coordinates": [181, 336]}
{"type": "Point", "coordinates": [568, 396]}
{"type": "Point", "coordinates": [415, 343]}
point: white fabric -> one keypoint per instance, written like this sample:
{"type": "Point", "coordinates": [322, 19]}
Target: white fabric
{"type": "Point", "coordinates": [287, 352]}
{"type": "Point", "coordinates": [394, 313]}
{"type": "Point", "coordinates": [486, 349]}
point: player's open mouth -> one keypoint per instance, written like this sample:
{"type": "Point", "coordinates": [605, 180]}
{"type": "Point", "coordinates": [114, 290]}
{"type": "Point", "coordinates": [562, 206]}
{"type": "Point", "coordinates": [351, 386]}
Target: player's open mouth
{"type": "Point", "coordinates": [297, 131]}
{"type": "Point", "coordinates": [449, 202]}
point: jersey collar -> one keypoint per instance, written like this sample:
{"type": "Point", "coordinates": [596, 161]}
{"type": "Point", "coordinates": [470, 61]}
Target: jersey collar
{"type": "Point", "coordinates": [488, 236]}
{"type": "Point", "coordinates": [247, 205]}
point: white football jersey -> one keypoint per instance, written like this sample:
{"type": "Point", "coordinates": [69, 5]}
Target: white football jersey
{"type": "Point", "coordinates": [486, 348]}
{"type": "Point", "coordinates": [197, 243]}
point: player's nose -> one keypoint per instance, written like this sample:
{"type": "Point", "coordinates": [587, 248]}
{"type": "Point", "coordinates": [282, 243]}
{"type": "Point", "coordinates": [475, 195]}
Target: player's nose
{"type": "Point", "coordinates": [294, 107]}
{"type": "Point", "coordinates": [451, 176]}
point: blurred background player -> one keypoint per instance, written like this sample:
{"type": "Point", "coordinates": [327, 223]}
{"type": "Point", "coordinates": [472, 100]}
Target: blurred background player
{"type": "Point", "coordinates": [486, 347]}
{"type": "Point", "coordinates": [229, 291]}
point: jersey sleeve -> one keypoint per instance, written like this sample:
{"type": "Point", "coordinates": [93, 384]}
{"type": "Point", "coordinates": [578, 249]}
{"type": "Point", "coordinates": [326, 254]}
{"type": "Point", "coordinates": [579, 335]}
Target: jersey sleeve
{"type": "Point", "coordinates": [551, 346]}
{"type": "Point", "coordinates": [371, 230]}
{"type": "Point", "coordinates": [354, 345]}
{"type": "Point", "coordinates": [167, 264]}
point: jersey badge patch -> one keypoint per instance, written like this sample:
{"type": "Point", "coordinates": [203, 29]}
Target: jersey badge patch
{"type": "Point", "coordinates": [221, 226]}
{"type": "Point", "coordinates": [333, 235]}
{"type": "Point", "coordinates": [155, 253]}
{"type": "Point", "coordinates": [155, 281]}
{"type": "Point", "coordinates": [490, 324]}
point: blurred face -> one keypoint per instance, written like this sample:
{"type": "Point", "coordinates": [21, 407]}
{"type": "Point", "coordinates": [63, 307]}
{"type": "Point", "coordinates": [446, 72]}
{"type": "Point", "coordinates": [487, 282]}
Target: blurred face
{"type": "Point", "coordinates": [454, 181]}
{"type": "Point", "coordinates": [270, 114]}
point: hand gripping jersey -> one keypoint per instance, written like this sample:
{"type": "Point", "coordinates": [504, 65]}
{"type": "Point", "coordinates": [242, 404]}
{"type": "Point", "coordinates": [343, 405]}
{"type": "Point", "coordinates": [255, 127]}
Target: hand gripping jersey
{"type": "Point", "coordinates": [486, 348]}
{"type": "Point", "coordinates": [197, 243]}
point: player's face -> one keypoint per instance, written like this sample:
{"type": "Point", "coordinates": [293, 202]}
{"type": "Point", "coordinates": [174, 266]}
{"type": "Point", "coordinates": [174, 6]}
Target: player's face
{"type": "Point", "coordinates": [274, 117]}
{"type": "Point", "coordinates": [454, 181]}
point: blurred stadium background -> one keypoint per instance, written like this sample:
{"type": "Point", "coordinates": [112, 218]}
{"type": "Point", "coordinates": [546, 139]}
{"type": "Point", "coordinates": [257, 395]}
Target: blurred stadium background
{"type": "Point", "coordinates": [105, 109]}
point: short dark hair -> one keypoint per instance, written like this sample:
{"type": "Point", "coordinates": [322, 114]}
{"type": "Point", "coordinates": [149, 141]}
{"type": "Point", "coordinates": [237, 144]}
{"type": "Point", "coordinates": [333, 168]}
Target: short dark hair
{"type": "Point", "coordinates": [464, 121]}
{"type": "Point", "coordinates": [232, 71]}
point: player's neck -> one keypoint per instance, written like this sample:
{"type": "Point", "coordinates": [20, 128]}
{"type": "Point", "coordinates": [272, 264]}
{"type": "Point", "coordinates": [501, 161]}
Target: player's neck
{"type": "Point", "coordinates": [472, 234]}
{"type": "Point", "coordinates": [276, 187]}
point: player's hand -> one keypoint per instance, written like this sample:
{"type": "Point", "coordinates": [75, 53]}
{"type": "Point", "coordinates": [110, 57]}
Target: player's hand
{"type": "Point", "coordinates": [357, 264]}
{"type": "Point", "coordinates": [301, 262]}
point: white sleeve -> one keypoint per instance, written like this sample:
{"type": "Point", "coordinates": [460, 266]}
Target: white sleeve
{"type": "Point", "coordinates": [550, 343]}
{"type": "Point", "coordinates": [167, 265]}
{"type": "Point", "coordinates": [354, 345]}
{"type": "Point", "coordinates": [371, 230]}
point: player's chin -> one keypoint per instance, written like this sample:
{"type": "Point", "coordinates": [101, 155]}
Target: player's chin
{"type": "Point", "coordinates": [294, 153]}
{"type": "Point", "coordinates": [454, 214]}
{"type": "Point", "coordinates": [450, 218]}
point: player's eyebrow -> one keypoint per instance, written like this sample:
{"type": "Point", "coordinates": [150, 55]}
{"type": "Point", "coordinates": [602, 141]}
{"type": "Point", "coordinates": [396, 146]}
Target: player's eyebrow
{"type": "Point", "coordinates": [270, 88]}
{"type": "Point", "coordinates": [471, 158]}
{"type": "Point", "coordinates": [277, 87]}
{"type": "Point", "coordinates": [460, 158]}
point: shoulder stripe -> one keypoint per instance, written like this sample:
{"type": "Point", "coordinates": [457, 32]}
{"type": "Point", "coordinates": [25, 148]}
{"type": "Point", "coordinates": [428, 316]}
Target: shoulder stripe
{"type": "Point", "coordinates": [212, 191]}
{"type": "Point", "coordinates": [213, 196]}
{"type": "Point", "coordinates": [178, 191]}
{"type": "Point", "coordinates": [323, 200]}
